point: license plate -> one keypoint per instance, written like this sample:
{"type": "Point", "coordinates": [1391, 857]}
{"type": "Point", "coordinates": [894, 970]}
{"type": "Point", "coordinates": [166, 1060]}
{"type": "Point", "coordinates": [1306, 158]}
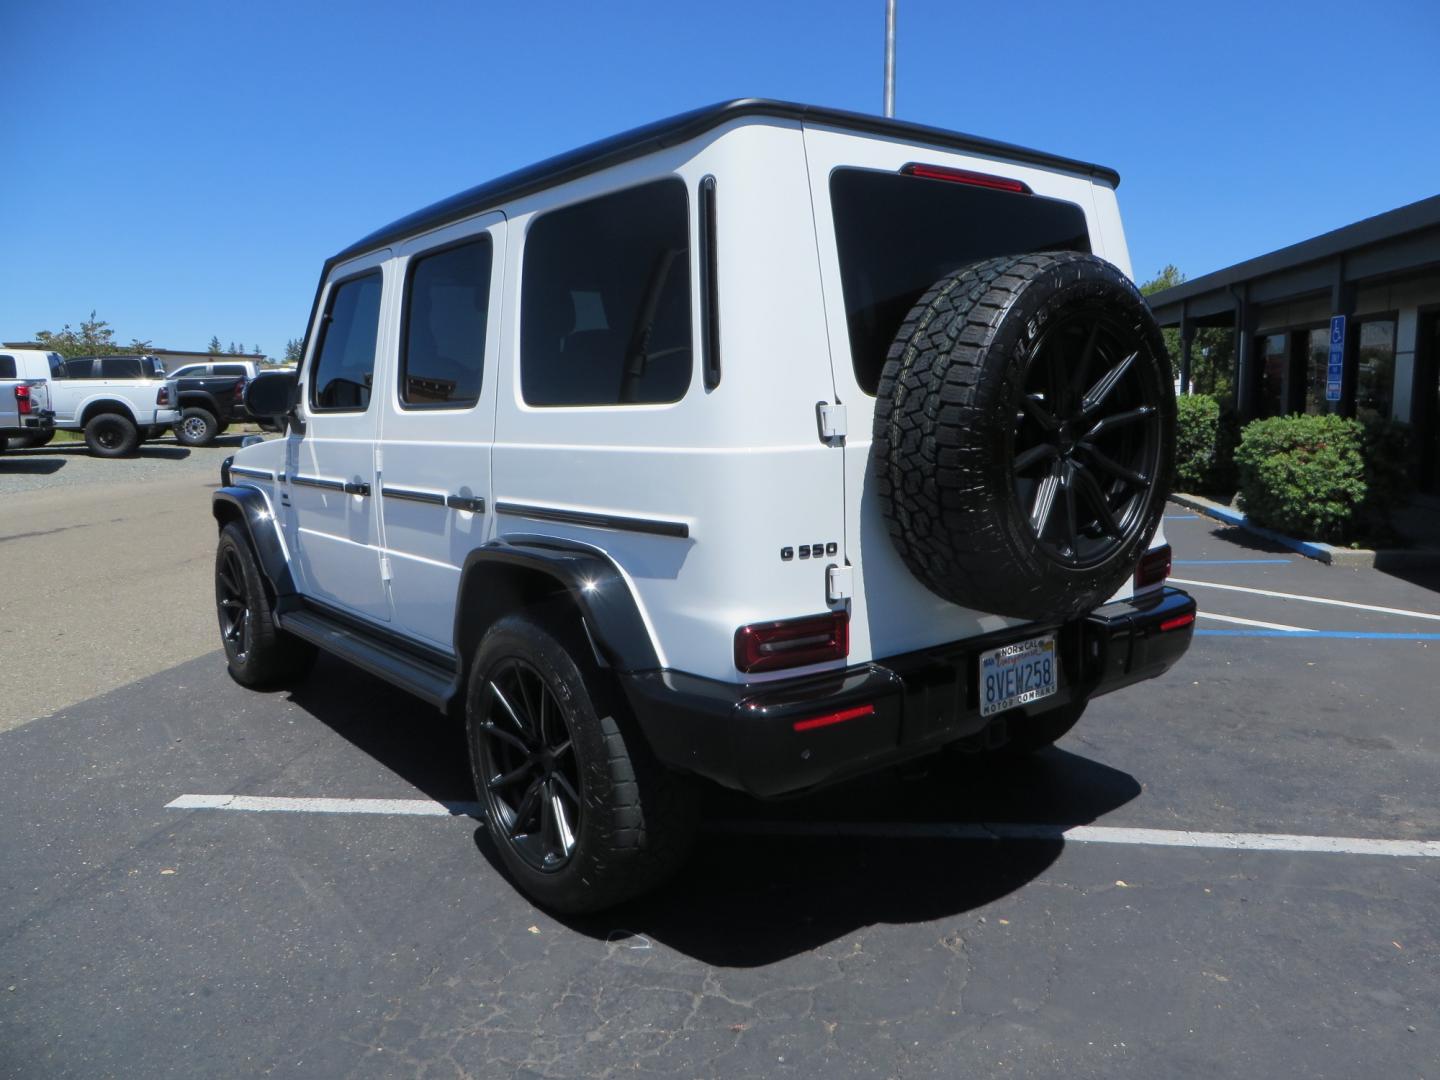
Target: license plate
{"type": "Point", "coordinates": [1017, 674]}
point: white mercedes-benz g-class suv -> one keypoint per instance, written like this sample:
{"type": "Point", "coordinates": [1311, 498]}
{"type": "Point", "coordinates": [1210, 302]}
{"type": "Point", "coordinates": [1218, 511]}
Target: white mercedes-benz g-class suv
{"type": "Point", "coordinates": [767, 445]}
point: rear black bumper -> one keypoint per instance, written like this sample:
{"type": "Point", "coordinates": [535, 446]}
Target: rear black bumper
{"type": "Point", "coordinates": [745, 737]}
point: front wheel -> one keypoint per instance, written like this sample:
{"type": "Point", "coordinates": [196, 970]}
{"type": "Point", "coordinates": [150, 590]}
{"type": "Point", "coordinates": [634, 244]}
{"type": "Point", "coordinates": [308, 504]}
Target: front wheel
{"type": "Point", "coordinates": [258, 652]}
{"type": "Point", "coordinates": [582, 814]}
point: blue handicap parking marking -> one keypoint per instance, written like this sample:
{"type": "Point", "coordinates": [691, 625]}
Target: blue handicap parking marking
{"type": "Point", "coordinates": [1230, 562]}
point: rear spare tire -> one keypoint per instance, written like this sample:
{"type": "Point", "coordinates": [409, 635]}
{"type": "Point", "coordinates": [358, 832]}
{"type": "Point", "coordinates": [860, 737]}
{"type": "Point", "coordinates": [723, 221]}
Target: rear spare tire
{"type": "Point", "coordinates": [1024, 431]}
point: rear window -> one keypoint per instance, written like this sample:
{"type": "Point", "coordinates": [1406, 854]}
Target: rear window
{"type": "Point", "coordinates": [230, 369]}
{"type": "Point", "coordinates": [897, 235]}
{"type": "Point", "coordinates": [605, 301]}
{"type": "Point", "coordinates": [7, 367]}
{"type": "Point", "coordinates": [122, 367]}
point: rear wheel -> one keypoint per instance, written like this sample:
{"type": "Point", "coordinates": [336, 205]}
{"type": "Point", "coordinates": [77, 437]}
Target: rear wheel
{"type": "Point", "coordinates": [258, 653]}
{"type": "Point", "coordinates": [111, 435]}
{"type": "Point", "coordinates": [582, 815]}
{"type": "Point", "coordinates": [196, 427]}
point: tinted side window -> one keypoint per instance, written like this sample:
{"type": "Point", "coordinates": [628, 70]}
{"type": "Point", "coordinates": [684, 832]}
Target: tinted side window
{"type": "Point", "coordinates": [121, 367]}
{"type": "Point", "coordinates": [605, 301]}
{"type": "Point", "coordinates": [79, 369]}
{"type": "Point", "coordinates": [443, 351]}
{"type": "Point", "coordinates": [7, 367]}
{"type": "Point", "coordinates": [897, 235]}
{"type": "Point", "coordinates": [57, 366]}
{"type": "Point", "coordinates": [229, 369]}
{"type": "Point", "coordinates": [189, 371]}
{"type": "Point", "coordinates": [345, 360]}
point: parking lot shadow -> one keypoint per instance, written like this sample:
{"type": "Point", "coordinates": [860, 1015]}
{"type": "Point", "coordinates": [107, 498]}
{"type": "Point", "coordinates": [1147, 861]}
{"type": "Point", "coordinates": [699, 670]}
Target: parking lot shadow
{"type": "Point", "coordinates": [755, 893]}
{"type": "Point", "coordinates": [32, 466]}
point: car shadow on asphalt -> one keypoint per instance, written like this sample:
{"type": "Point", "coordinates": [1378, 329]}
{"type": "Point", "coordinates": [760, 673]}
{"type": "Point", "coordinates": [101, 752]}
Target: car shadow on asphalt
{"type": "Point", "coordinates": [31, 466]}
{"type": "Point", "coordinates": [754, 892]}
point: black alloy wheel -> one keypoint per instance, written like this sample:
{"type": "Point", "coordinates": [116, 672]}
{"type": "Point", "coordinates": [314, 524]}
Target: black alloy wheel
{"type": "Point", "coordinates": [531, 777]}
{"type": "Point", "coordinates": [233, 601]}
{"type": "Point", "coordinates": [1087, 440]}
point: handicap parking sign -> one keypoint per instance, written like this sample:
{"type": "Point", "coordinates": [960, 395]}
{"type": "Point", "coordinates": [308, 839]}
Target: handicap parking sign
{"type": "Point", "coordinates": [1336, 370]}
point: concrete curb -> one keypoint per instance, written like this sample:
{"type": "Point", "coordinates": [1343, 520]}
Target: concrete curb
{"type": "Point", "coordinates": [1326, 553]}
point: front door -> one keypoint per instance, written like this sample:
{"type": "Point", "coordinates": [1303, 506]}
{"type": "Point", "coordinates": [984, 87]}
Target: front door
{"type": "Point", "coordinates": [438, 421]}
{"type": "Point", "coordinates": [333, 523]}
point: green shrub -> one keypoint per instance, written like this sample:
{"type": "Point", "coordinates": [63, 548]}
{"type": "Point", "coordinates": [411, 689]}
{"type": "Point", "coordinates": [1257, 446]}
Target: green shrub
{"type": "Point", "coordinates": [1304, 475]}
{"type": "Point", "coordinates": [1205, 438]}
{"type": "Point", "coordinates": [1390, 451]}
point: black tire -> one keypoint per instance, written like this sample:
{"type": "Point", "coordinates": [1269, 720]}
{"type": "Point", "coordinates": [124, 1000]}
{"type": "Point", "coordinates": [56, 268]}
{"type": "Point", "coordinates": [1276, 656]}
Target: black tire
{"type": "Point", "coordinates": [196, 427]}
{"type": "Point", "coordinates": [984, 427]}
{"type": "Point", "coordinates": [111, 435]}
{"type": "Point", "coordinates": [31, 440]}
{"type": "Point", "coordinates": [629, 822]}
{"type": "Point", "coordinates": [258, 653]}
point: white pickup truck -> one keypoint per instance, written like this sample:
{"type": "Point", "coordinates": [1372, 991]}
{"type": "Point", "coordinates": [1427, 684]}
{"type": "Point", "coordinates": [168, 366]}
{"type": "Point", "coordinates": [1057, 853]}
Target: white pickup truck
{"type": "Point", "coordinates": [117, 401]}
{"type": "Point", "coordinates": [24, 406]}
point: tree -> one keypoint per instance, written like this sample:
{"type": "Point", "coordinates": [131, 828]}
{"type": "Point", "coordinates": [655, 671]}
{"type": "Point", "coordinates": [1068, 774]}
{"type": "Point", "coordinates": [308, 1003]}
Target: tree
{"type": "Point", "coordinates": [94, 338]}
{"type": "Point", "coordinates": [294, 351]}
{"type": "Point", "coordinates": [231, 349]}
{"type": "Point", "coordinates": [1212, 350]}
{"type": "Point", "coordinates": [214, 346]}
{"type": "Point", "coordinates": [255, 350]}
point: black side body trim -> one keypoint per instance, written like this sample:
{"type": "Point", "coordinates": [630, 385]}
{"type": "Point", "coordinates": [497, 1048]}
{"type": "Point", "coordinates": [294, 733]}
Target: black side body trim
{"type": "Point", "coordinates": [656, 526]}
{"type": "Point", "coordinates": [318, 482]}
{"type": "Point", "coordinates": [410, 495]}
{"type": "Point", "coordinates": [247, 505]}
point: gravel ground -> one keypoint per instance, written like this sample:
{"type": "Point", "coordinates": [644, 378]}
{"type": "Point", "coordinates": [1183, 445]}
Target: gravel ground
{"type": "Point", "coordinates": [70, 465]}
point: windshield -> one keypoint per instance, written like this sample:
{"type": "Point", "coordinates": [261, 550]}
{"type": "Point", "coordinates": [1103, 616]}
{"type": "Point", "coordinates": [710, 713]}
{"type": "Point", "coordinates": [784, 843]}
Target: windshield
{"type": "Point", "coordinates": [898, 235]}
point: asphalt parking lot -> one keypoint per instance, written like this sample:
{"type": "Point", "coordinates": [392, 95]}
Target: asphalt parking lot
{"type": "Point", "coordinates": [1137, 902]}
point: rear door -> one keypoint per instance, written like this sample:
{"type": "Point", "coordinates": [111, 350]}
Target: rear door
{"type": "Point", "coordinates": [333, 523]}
{"type": "Point", "coordinates": [438, 420]}
{"type": "Point", "coordinates": [884, 238]}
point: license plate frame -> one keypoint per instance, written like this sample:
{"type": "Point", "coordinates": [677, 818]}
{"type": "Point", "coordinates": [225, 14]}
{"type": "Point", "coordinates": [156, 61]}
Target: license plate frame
{"type": "Point", "coordinates": [1020, 673]}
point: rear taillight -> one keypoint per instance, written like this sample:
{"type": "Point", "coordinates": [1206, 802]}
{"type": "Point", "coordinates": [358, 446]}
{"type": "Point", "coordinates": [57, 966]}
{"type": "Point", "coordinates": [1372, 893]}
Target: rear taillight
{"type": "Point", "coordinates": [1154, 567]}
{"type": "Point", "coordinates": [965, 176]}
{"type": "Point", "coordinates": [1177, 623]}
{"type": "Point", "coordinates": [239, 394]}
{"type": "Point", "coordinates": [162, 396]}
{"type": "Point", "coordinates": [793, 642]}
{"type": "Point", "coordinates": [22, 400]}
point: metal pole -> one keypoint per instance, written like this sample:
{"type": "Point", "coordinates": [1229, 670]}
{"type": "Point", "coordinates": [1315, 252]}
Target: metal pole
{"type": "Point", "coordinates": [889, 57]}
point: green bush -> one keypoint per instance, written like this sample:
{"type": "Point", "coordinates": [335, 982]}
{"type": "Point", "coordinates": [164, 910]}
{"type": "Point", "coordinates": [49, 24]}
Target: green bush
{"type": "Point", "coordinates": [1304, 475]}
{"type": "Point", "coordinates": [1389, 448]}
{"type": "Point", "coordinates": [1205, 438]}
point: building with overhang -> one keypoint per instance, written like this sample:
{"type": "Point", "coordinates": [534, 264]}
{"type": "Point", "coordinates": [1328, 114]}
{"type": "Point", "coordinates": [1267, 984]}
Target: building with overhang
{"type": "Point", "coordinates": [1382, 275]}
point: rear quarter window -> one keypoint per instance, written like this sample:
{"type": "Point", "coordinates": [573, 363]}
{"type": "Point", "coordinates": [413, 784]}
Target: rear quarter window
{"type": "Point", "coordinates": [7, 367]}
{"type": "Point", "coordinates": [897, 235]}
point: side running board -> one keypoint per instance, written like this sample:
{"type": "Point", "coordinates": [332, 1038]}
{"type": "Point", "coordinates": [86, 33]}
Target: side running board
{"type": "Point", "coordinates": [396, 665]}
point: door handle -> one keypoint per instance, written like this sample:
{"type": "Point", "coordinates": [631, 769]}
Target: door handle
{"type": "Point", "coordinates": [352, 488]}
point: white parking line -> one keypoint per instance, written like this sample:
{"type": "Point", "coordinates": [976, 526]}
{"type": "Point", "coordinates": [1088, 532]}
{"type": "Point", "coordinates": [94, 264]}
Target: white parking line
{"type": "Point", "coordinates": [1249, 622]}
{"type": "Point", "coordinates": [1308, 599]}
{"type": "Point", "coordinates": [923, 830]}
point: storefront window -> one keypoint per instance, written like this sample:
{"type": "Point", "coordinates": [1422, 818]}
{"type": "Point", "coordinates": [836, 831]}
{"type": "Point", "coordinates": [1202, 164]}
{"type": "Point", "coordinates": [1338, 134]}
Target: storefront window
{"type": "Point", "coordinates": [1272, 375]}
{"type": "Point", "coordinates": [1317, 368]}
{"type": "Point", "coordinates": [1375, 379]}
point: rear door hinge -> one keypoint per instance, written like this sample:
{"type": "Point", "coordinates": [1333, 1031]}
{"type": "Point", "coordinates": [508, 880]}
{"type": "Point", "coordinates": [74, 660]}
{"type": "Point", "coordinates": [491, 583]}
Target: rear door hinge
{"type": "Point", "coordinates": [839, 582]}
{"type": "Point", "coordinates": [384, 567]}
{"type": "Point", "coordinates": [832, 420]}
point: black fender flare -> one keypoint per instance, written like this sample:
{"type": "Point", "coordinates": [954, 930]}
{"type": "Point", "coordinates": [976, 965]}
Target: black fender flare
{"type": "Point", "coordinates": [248, 505]}
{"type": "Point", "coordinates": [586, 575]}
{"type": "Point", "coordinates": [200, 399]}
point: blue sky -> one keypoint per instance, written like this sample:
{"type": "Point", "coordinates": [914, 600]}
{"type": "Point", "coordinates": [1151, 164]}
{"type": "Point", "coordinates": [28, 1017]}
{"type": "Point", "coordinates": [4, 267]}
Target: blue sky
{"type": "Point", "coordinates": [184, 168]}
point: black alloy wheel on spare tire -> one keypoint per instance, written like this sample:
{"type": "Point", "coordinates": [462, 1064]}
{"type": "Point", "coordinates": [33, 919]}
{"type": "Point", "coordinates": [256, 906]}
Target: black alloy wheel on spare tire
{"type": "Point", "coordinates": [1024, 434]}
{"type": "Point", "coordinates": [196, 427]}
{"type": "Point", "coordinates": [111, 435]}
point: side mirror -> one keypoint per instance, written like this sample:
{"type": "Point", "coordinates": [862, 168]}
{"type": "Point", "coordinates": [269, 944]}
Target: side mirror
{"type": "Point", "coordinates": [271, 395]}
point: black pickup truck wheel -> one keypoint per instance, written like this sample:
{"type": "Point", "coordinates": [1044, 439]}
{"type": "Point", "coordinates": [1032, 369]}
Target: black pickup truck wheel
{"type": "Point", "coordinates": [1024, 432]}
{"type": "Point", "coordinates": [111, 435]}
{"type": "Point", "coordinates": [196, 427]}
{"type": "Point", "coordinates": [582, 815]}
